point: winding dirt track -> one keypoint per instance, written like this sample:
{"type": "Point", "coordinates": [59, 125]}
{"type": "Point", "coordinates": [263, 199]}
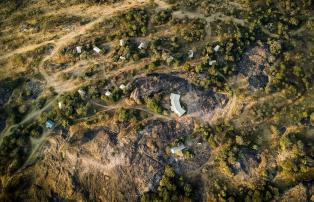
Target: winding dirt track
{"type": "Point", "coordinates": [28, 118]}
{"type": "Point", "coordinates": [51, 80]}
{"type": "Point", "coordinates": [61, 87]}
{"type": "Point", "coordinates": [25, 49]}
{"type": "Point", "coordinates": [139, 107]}
{"type": "Point", "coordinates": [64, 86]}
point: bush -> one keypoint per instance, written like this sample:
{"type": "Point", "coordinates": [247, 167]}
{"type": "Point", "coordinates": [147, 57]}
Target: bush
{"type": "Point", "coordinates": [121, 115]}
{"type": "Point", "coordinates": [274, 46]}
{"type": "Point", "coordinates": [116, 94]}
{"type": "Point", "coordinates": [14, 150]}
{"type": "Point", "coordinates": [133, 23]}
{"type": "Point", "coordinates": [36, 131]}
{"type": "Point", "coordinates": [153, 105]}
{"type": "Point", "coordinates": [171, 187]}
{"type": "Point", "coordinates": [22, 109]}
{"type": "Point", "coordinates": [162, 17]}
{"type": "Point", "coordinates": [188, 154]}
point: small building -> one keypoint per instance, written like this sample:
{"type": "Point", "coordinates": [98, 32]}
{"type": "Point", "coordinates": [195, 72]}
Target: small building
{"type": "Point", "coordinates": [96, 49]}
{"type": "Point", "coordinates": [122, 58]}
{"type": "Point", "coordinates": [108, 93]}
{"type": "Point", "coordinates": [164, 55]}
{"type": "Point", "coordinates": [178, 149]}
{"type": "Point", "coordinates": [50, 124]}
{"type": "Point", "coordinates": [142, 45]}
{"type": "Point", "coordinates": [60, 105]}
{"type": "Point", "coordinates": [212, 62]}
{"type": "Point", "coordinates": [169, 59]}
{"type": "Point", "coordinates": [81, 92]}
{"type": "Point", "coordinates": [216, 49]}
{"type": "Point", "coordinates": [79, 49]}
{"type": "Point", "coordinates": [122, 86]}
{"type": "Point", "coordinates": [175, 105]}
{"type": "Point", "coordinates": [122, 42]}
{"type": "Point", "coordinates": [191, 54]}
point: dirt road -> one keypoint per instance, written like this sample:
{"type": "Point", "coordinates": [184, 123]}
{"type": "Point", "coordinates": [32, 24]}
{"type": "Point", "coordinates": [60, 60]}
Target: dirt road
{"type": "Point", "coordinates": [29, 117]}
{"type": "Point", "coordinates": [52, 81]}
{"type": "Point", "coordinates": [107, 12]}
{"type": "Point", "coordinates": [25, 49]}
{"type": "Point", "coordinates": [137, 107]}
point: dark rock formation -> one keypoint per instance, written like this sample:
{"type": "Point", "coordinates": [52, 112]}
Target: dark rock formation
{"type": "Point", "coordinates": [247, 159]}
{"type": "Point", "coordinates": [253, 65]}
{"type": "Point", "coordinates": [195, 99]}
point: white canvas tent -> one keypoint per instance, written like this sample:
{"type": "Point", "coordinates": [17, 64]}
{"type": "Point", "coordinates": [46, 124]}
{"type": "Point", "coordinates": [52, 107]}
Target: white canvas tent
{"type": "Point", "coordinates": [96, 49]}
{"type": "Point", "coordinates": [191, 54]}
{"type": "Point", "coordinates": [142, 45]}
{"type": "Point", "coordinates": [216, 48]}
{"type": "Point", "coordinates": [122, 86]}
{"type": "Point", "coordinates": [79, 49]}
{"type": "Point", "coordinates": [212, 62]}
{"type": "Point", "coordinates": [108, 93]}
{"type": "Point", "coordinates": [122, 42]}
{"type": "Point", "coordinates": [175, 150]}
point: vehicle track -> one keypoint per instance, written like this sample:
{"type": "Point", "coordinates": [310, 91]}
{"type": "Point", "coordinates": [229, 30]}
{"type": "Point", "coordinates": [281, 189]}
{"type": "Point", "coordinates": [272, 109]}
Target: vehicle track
{"type": "Point", "coordinates": [51, 80]}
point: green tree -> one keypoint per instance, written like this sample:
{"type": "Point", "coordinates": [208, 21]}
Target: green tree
{"type": "Point", "coordinates": [121, 115]}
{"type": "Point", "coordinates": [153, 105]}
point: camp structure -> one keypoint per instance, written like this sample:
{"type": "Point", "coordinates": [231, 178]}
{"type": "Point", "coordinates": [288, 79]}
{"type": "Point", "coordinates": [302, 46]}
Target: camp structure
{"type": "Point", "coordinates": [50, 124]}
{"type": "Point", "coordinates": [212, 62]}
{"type": "Point", "coordinates": [175, 105]}
{"type": "Point", "coordinates": [81, 92]}
{"type": "Point", "coordinates": [191, 54]}
{"type": "Point", "coordinates": [170, 59]}
{"type": "Point", "coordinates": [96, 49]}
{"type": "Point", "coordinates": [60, 105]}
{"type": "Point", "coordinates": [79, 49]}
{"type": "Point", "coordinates": [122, 58]}
{"type": "Point", "coordinates": [216, 49]}
{"type": "Point", "coordinates": [122, 86]}
{"type": "Point", "coordinates": [142, 45]}
{"type": "Point", "coordinates": [178, 149]}
{"type": "Point", "coordinates": [122, 42]}
{"type": "Point", "coordinates": [108, 93]}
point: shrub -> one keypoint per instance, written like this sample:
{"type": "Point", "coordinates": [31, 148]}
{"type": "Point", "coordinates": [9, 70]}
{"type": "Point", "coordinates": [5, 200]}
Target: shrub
{"type": "Point", "coordinates": [162, 17]}
{"type": "Point", "coordinates": [172, 187]}
{"type": "Point", "coordinates": [121, 115]}
{"type": "Point", "coordinates": [116, 94]}
{"type": "Point", "coordinates": [153, 105]}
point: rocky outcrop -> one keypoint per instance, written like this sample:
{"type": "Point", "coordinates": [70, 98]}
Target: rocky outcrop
{"type": "Point", "coordinates": [101, 165]}
{"type": "Point", "coordinates": [247, 161]}
{"type": "Point", "coordinates": [295, 194]}
{"type": "Point", "coordinates": [253, 65]}
{"type": "Point", "coordinates": [196, 101]}
{"type": "Point", "coordinates": [135, 95]}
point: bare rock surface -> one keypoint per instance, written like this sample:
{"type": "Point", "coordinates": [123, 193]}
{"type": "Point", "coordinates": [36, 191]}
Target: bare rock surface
{"type": "Point", "coordinates": [248, 159]}
{"type": "Point", "coordinates": [93, 163]}
{"type": "Point", "coordinates": [253, 65]}
{"type": "Point", "coordinates": [295, 194]}
{"type": "Point", "coordinates": [197, 101]}
{"type": "Point", "coordinates": [201, 155]}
